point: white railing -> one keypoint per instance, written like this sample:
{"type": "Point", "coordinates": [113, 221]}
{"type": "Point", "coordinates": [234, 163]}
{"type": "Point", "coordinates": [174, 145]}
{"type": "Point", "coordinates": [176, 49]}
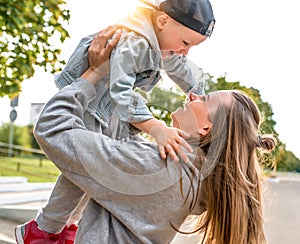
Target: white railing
{"type": "Point", "coordinates": [8, 146]}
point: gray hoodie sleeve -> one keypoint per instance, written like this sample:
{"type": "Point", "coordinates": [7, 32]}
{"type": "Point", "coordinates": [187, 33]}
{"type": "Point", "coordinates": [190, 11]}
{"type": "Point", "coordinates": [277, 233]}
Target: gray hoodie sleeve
{"type": "Point", "coordinates": [62, 135]}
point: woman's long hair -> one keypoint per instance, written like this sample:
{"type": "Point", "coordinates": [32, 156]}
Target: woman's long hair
{"type": "Point", "coordinates": [230, 182]}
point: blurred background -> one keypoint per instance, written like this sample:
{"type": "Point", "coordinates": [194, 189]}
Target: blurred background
{"type": "Point", "coordinates": [253, 48]}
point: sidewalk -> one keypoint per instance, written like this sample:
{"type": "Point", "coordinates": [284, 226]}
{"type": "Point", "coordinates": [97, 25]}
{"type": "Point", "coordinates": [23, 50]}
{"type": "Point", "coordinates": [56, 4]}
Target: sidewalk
{"type": "Point", "coordinates": [19, 202]}
{"type": "Point", "coordinates": [281, 209]}
{"type": "Point", "coordinates": [7, 228]}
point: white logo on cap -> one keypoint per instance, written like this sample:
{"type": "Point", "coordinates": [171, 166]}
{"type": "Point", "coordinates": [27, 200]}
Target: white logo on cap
{"type": "Point", "coordinates": [210, 28]}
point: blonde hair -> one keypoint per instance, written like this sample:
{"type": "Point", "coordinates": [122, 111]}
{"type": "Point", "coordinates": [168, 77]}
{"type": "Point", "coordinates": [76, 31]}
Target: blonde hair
{"type": "Point", "coordinates": [230, 183]}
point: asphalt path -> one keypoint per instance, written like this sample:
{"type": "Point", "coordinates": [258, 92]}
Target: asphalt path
{"type": "Point", "coordinates": [282, 211]}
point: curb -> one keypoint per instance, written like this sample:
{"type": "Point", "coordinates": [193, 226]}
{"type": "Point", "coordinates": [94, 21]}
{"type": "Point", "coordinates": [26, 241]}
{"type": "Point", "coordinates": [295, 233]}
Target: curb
{"type": "Point", "coordinates": [18, 213]}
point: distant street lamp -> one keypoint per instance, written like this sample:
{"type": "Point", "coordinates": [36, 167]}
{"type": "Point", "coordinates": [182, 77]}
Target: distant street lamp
{"type": "Point", "coordinates": [13, 116]}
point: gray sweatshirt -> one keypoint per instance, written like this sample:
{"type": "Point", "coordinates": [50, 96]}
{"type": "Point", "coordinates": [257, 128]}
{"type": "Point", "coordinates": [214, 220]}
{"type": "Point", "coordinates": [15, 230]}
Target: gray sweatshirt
{"type": "Point", "coordinates": [136, 195]}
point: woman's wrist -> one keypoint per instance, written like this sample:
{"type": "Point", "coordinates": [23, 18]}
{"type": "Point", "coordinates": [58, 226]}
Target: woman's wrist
{"type": "Point", "coordinates": [92, 75]}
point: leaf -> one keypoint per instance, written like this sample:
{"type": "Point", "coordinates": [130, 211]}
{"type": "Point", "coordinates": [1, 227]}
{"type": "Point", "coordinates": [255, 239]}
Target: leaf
{"type": "Point", "coordinates": [19, 17]}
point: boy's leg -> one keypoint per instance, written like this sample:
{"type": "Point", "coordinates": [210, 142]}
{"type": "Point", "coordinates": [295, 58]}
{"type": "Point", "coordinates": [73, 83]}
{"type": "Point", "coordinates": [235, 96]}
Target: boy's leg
{"type": "Point", "coordinates": [62, 204]}
{"type": "Point", "coordinates": [67, 200]}
{"type": "Point", "coordinates": [55, 222]}
{"type": "Point", "coordinates": [65, 204]}
{"type": "Point", "coordinates": [77, 213]}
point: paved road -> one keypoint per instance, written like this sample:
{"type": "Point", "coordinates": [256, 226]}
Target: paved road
{"type": "Point", "coordinates": [282, 213]}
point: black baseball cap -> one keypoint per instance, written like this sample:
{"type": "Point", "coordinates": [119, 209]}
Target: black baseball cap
{"type": "Point", "coordinates": [194, 14]}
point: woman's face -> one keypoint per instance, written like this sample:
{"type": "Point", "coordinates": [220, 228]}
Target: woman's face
{"type": "Point", "coordinates": [195, 117]}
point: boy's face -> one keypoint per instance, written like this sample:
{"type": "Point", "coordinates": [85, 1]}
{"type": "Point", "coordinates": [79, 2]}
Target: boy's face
{"type": "Point", "coordinates": [174, 37]}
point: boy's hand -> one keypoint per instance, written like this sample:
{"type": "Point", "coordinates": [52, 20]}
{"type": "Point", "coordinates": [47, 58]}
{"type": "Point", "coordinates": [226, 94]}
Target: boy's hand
{"type": "Point", "coordinates": [170, 140]}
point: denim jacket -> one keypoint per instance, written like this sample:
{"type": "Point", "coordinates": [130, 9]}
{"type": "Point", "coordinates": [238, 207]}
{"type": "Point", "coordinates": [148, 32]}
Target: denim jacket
{"type": "Point", "coordinates": [135, 62]}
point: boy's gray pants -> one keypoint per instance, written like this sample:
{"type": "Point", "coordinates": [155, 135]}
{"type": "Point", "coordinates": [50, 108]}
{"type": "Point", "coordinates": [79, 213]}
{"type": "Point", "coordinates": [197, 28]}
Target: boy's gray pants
{"type": "Point", "coordinates": [67, 201]}
{"type": "Point", "coordinates": [65, 206]}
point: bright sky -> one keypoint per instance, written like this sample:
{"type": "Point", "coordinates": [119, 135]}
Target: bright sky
{"type": "Point", "coordinates": [255, 42]}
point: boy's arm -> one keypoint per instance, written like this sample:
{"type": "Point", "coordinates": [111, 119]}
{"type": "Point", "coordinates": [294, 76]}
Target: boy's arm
{"type": "Point", "coordinates": [169, 139]}
{"type": "Point", "coordinates": [131, 56]}
{"type": "Point", "coordinates": [184, 73]}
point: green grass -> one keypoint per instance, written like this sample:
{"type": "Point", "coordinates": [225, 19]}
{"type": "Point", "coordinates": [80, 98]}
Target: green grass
{"type": "Point", "coordinates": [35, 169]}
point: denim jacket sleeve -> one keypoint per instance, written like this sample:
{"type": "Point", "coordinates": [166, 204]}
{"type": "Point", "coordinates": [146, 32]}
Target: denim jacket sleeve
{"type": "Point", "coordinates": [77, 63]}
{"type": "Point", "coordinates": [178, 69]}
{"type": "Point", "coordinates": [127, 59]}
{"type": "Point", "coordinates": [132, 56]}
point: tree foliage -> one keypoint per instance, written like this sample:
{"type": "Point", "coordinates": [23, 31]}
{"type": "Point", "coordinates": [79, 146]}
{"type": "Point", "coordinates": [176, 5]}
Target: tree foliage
{"type": "Point", "coordinates": [28, 32]}
{"type": "Point", "coordinates": [22, 135]}
{"type": "Point", "coordinates": [162, 102]}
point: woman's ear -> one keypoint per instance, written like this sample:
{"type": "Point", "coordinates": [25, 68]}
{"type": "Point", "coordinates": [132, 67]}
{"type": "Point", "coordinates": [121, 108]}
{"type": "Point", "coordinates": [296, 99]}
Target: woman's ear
{"type": "Point", "coordinates": [161, 20]}
{"type": "Point", "coordinates": [204, 130]}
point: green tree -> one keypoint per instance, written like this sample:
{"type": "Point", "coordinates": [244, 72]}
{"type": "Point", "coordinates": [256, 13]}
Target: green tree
{"type": "Point", "coordinates": [34, 144]}
{"type": "Point", "coordinates": [161, 102]}
{"type": "Point", "coordinates": [21, 137]}
{"type": "Point", "coordinates": [28, 31]}
{"type": "Point", "coordinates": [286, 160]}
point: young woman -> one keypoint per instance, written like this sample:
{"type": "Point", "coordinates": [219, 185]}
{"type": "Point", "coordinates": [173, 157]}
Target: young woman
{"type": "Point", "coordinates": [138, 197]}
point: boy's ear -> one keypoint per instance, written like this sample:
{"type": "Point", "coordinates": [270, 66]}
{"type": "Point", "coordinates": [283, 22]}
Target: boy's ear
{"type": "Point", "coordinates": [162, 20]}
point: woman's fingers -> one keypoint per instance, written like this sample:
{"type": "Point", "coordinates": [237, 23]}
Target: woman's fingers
{"type": "Point", "coordinates": [113, 40]}
{"type": "Point", "coordinates": [103, 36]}
{"type": "Point", "coordinates": [100, 50]}
{"type": "Point", "coordinates": [105, 41]}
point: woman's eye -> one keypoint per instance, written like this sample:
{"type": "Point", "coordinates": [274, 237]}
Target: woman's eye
{"type": "Point", "coordinates": [205, 97]}
{"type": "Point", "coordinates": [202, 98]}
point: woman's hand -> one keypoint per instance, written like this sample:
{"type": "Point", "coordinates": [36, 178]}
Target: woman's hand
{"type": "Point", "coordinates": [99, 53]}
